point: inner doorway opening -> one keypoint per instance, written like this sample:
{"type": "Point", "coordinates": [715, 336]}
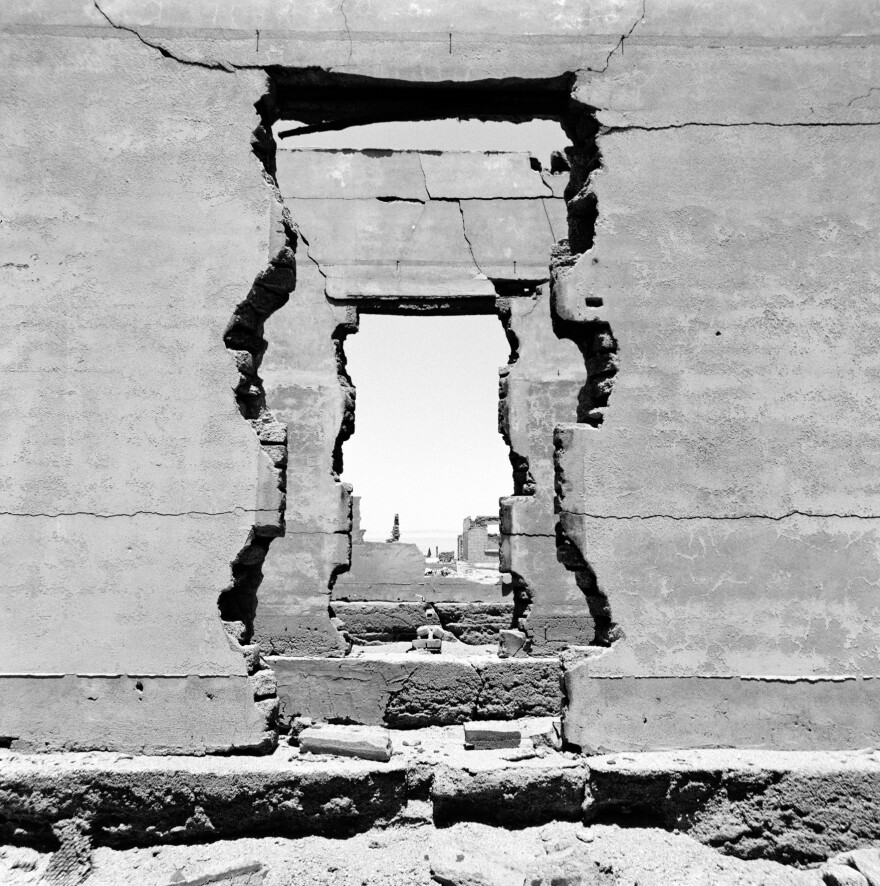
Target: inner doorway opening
{"type": "Point", "coordinates": [426, 445]}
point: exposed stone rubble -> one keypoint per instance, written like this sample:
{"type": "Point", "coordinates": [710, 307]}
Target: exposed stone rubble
{"type": "Point", "coordinates": [414, 853]}
{"type": "Point", "coordinates": [474, 855]}
{"type": "Point", "coordinates": [858, 867]}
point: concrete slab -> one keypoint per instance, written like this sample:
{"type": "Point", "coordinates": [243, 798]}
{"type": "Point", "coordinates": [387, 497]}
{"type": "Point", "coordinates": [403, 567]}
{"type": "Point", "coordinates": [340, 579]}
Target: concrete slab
{"type": "Point", "coordinates": [790, 807]}
{"type": "Point", "coordinates": [743, 605]}
{"type": "Point", "coordinates": [478, 175]}
{"type": "Point", "coordinates": [294, 598]}
{"type": "Point", "coordinates": [647, 713]}
{"type": "Point", "coordinates": [148, 714]}
{"type": "Point", "coordinates": [510, 239]}
{"type": "Point", "coordinates": [348, 174]}
{"type": "Point", "coordinates": [412, 690]}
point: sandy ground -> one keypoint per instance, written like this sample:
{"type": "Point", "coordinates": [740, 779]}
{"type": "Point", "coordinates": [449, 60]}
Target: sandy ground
{"type": "Point", "coordinates": [465, 854]}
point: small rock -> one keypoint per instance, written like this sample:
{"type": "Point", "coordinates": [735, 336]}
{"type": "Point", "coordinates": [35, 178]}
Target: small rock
{"type": "Point", "coordinates": [235, 630]}
{"type": "Point", "coordinates": [519, 754]}
{"type": "Point", "coordinates": [841, 875]}
{"type": "Point", "coordinates": [468, 862]}
{"type": "Point", "coordinates": [865, 861]}
{"type": "Point", "coordinates": [546, 732]}
{"type": "Point", "coordinates": [251, 653]}
{"type": "Point", "coordinates": [366, 742]}
{"type": "Point", "coordinates": [243, 874]}
{"type": "Point", "coordinates": [511, 643]}
{"type": "Point", "coordinates": [263, 683]}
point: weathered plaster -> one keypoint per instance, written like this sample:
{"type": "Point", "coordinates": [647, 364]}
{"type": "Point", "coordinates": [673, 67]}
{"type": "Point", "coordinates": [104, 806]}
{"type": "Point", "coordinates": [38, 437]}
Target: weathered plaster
{"type": "Point", "coordinates": [737, 197]}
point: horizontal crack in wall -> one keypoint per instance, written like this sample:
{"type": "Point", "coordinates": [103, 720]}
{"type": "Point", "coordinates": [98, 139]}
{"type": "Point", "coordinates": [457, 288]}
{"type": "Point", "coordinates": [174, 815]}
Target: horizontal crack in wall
{"type": "Point", "coordinates": [786, 516]}
{"type": "Point", "coordinates": [241, 511]}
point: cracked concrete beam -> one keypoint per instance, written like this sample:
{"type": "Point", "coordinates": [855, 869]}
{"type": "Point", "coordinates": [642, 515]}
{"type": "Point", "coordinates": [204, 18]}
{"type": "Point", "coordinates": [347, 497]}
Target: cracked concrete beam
{"type": "Point", "coordinates": [453, 41]}
{"type": "Point", "coordinates": [481, 175]}
{"type": "Point", "coordinates": [370, 248]}
{"type": "Point", "coordinates": [510, 239]}
{"type": "Point", "coordinates": [672, 69]}
{"type": "Point", "coordinates": [349, 174]}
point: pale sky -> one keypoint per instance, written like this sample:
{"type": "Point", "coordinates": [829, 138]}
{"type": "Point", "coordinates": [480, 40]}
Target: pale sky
{"type": "Point", "coordinates": [537, 137]}
{"type": "Point", "coordinates": [426, 442]}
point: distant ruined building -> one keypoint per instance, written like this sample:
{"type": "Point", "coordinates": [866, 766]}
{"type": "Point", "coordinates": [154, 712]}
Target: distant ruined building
{"type": "Point", "coordinates": [479, 541]}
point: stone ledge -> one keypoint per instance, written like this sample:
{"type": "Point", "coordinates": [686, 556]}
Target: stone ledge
{"type": "Point", "coordinates": [654, 713]}
{"type": "Point", "coordinates": [787, 806]}
{"type": "Point", "coordinates": [411, 691]}
{"type": "Point", "coordinates": [790, 807]}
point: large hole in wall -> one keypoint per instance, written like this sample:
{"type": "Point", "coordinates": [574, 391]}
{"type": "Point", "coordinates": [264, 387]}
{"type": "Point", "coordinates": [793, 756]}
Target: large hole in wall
{"type": "Point", "coordinates": [375, 118]}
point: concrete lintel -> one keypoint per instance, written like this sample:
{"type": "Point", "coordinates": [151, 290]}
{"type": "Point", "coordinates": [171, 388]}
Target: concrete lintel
{"type": "Point", "coordinates": [782, 713]}
{"type": "Point", "coordinates": [135, 714]}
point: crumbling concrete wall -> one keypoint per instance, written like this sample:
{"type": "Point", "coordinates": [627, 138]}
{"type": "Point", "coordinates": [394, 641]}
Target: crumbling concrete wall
{"type": "Point", "coordinates": [724, 507]}
{"type": "Point", "coordinates": [136, 219]}
{"type": "Point", "coordinates": [727, 504]}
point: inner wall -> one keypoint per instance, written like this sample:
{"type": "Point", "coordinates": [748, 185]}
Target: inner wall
{"type": "Point", "coordinates": [426, 442]}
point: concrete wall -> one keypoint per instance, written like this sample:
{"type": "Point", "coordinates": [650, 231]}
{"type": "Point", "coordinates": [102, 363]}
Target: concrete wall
{"type": "Point", "coordinates": [727, 503]}
{"type": "Point", "coordinates": [136, 218]}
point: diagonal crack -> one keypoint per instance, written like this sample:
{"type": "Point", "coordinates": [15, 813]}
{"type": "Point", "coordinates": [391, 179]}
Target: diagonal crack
{"type": "Point", "coordinates": [347, 31]}
{"type": "Point", "coordinates": [468, 239]}
{"type": "Point", "coordinates": [213, 66]}
{"type": "Point", "coordinates": [868, 94]}
{"type": "Point", "coordinates": [620, 43]}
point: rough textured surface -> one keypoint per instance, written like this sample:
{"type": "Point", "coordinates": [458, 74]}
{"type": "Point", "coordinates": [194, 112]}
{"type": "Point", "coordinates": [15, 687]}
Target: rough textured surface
{"type": "Point", "coordinates": [149, 800]}
{"type": "Point", "coordinates": [416, 854]}
{"type": "Point", "coordinates": [532, 793]}
{"type": "Point", "coordinates": [792, 807]}
{"type": "Point", "coordinates": [724, 501]}
{"type": "Point", "coordinates": [407, 691]}
{"type": "Point", "coordinates": [124, 258]}
{"type": "Point", "coordinates": [473, 855]}
{"type": "Point", "coordinates": [801, 808]}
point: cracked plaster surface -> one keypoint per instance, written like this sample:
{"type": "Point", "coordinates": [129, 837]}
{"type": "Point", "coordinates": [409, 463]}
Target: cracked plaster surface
{"type": "Point", "coordinates": [615, 130]}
